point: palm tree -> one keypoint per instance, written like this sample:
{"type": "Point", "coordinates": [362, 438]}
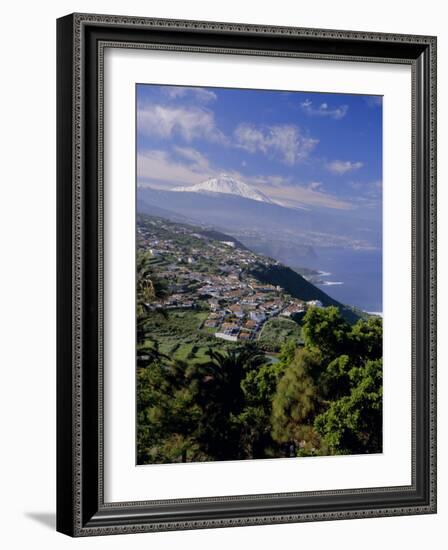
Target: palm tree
{"type": "Point", "coordinates": [148, 352]}
{"type": "Point", "coordinates": [167, 413]}
{"type": "Point", "coordinates": [222, 399]}
{"type": "Point", "coordinates": [149, 289]}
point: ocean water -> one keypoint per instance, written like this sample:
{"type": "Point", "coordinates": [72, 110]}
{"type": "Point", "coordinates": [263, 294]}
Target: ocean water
{"type": "Point", "coordinates": [353, 277]}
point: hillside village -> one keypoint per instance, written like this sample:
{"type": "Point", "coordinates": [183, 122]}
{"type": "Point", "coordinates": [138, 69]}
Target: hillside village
{"type": "Point", "coordinates": [208, 270]}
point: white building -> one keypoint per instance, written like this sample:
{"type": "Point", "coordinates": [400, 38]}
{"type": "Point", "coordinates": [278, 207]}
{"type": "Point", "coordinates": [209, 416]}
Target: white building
{"type": "Point", "coordinates": [257, 316]}
{"type": "Point", "coordinates": [314, 303]}
{"type": "Point", "coordinates": [224, 336]}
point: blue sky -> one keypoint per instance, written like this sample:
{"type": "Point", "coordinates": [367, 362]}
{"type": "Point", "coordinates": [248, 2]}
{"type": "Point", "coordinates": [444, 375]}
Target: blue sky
{"type": "Point", "coordinates": [302, 149]}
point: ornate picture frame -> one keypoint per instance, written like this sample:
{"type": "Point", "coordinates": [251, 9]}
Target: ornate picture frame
{"type": "Point", "coordinates": [81, 506]}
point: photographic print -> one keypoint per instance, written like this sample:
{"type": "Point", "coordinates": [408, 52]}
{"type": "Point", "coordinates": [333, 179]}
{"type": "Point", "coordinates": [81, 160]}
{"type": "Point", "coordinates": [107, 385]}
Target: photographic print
{"type": "Point", "coordinates": [239, 206]}
{"type": "Point", "coordinates": [258, 274]}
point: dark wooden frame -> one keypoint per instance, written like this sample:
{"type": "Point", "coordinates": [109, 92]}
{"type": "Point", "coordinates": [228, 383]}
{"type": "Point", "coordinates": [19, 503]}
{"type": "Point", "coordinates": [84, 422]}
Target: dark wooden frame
{"type": "Point", "coordinates": [81, 510]}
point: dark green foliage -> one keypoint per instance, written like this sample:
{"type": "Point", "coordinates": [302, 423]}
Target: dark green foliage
{"type": "Point", "coordinates": [167, 414]}
{"type": "Point", "coordinates": [325, 331]}
{"type": "Point", "coordinates": [329, 400]}
{"type": "Point", "coordinates": [148, 353]}
{"type": "Point", "coordinates": [367, 338]}
{"type": "Point", "coordinates": [217, 410]}
{"type": "Point", "coordinates": [259, 385]}
{"type": "Point", "coordinates": [296, 400]}
{"type": "Point", "coordinates": [352, 424]}
{"type": "Point", "coordinates": [235, 399]}
{"type": "Point", "coordinates": [320, 398]}
{"type": "Point", "coordinates": [149, 287]}
{"type": "Point", "coordinates": [222, 399]}
{"type": "Point", "coordinates": [336, 377]}
{"type": "Point", "coordinates": [277, 331]}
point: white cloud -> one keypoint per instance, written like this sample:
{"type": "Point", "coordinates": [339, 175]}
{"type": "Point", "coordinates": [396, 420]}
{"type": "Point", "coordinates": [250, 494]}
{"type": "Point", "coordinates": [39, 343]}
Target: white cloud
{"type": "Point", "coordinates": [196, 159]}
{"type": "Point", "coordinates": [276, 181]}
{"type": "Point", "coordinates": [374, 100]}
{"type": "Point", "coordinates": [314, 185]}
{"type": "Point", "coordinates": [159, 169]}
{"type": "Point", "coordinates": [341, 167]}
{"type": "Point", "coordinates": [323, 110]}
{"type": "Point", "coordinates": [284, 141]}
{"type": "Point", "coordinates": [367, 193]}
{"type": "Point", "coordinates": [188, 122]}
{"type": "Point", "coordinates": [292, 194]}
{"type": "Point", "coordinates": [298, 196]}
{"type": "Point", "coordinates": [201, 94]}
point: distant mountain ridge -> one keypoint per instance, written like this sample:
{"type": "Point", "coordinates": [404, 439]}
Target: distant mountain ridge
{"type": "Point", "coordinates": [226, 210]}
{"type": "Point", "coordinates": [227, 185]}
{"type": "Point", "coordinates": [235, 214]}
{"type": "Point", "coordinates": [152, 210]}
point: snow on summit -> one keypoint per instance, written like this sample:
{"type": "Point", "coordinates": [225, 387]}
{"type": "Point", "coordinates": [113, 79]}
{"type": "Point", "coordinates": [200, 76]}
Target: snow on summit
{"type": "Point", "coordinates": [228, 185]}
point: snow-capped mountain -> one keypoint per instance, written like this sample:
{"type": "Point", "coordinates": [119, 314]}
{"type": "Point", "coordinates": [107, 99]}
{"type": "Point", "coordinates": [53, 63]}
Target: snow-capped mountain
{"type": "Point", "coordinates": [227, 185]}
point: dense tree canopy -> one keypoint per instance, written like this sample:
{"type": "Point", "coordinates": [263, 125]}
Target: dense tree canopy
{"type": "Point", "coordinates": [333, 387]}
{"type": "Point", "coordinates": [317, 398]}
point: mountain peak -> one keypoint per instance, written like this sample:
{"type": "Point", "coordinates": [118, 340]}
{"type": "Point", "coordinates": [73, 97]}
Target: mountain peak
{"type": "Point", "coordinates": [228, 185]}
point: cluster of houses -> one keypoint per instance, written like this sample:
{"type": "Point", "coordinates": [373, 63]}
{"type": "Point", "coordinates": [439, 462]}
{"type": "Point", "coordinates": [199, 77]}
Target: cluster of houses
{"type": "Point", "coordinates": [242, 315]}
{"type": "Point", "coordinates": [201, 272]}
